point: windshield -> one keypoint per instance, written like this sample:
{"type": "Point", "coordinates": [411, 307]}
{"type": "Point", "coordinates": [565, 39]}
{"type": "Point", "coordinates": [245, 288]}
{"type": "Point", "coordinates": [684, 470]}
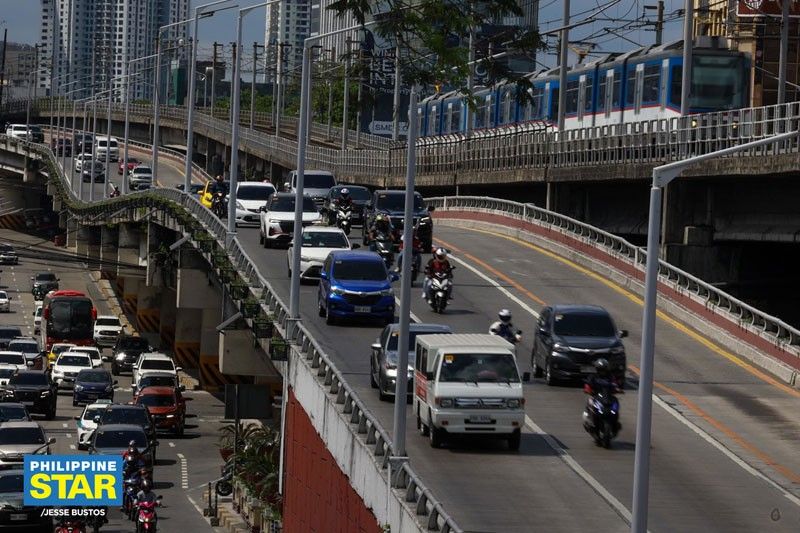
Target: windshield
{"type": "Point", "coordinates": [717, 82]}
{"type": "Point", "coordinates": [94, 354]}
{"type": "Point", "coordinates": [125, 416]}
{"type": "Point", "coordinates": [397, 201]}
{"type": "Point", "coordinates": [70, 319]}
{"type": "Point", "coordinates": [107, 322]}
{"type": "Point", "coordinates": [157, 364]}
{"type": "Point", "coordinates": [29, 378]}
{"type": "Point", "coordinates": [157, 381]}
{"type": "Point", "coordinates": [22, 436]}
{"type": "Point", "coordinates": [583, 325]}
{"type": "Point", "coordinates": [286, 204]}
{"type": "Point", "coordinates": [141, 170]}
{"type": "Point", "coordinates": [394, 339]}
{"type": "Point", "coordinates": [359, 270]}
{"type": "Point", "coordinates": [10, 333]}
{"type": "Point", "coordinates": [7, 372]}
{"type": "Point", "coordinates": [3, 295]}
{"type": "Point", "coordinates": [12, 483]}
{"type": "Point", "coordinates": [45, 277]}
{"type": "Point", "coordinates": [157, 400]}
{"type": "Point", "coordinates": [24, 347]}
{"type": "Point", "coordinates": [90, 413]}
{"type": "Point", "coordinates": [477, 368]}
{"type": "Point", "coordinates": [93, 377]}
{"type": "Point", "coordinates": [318, 181]}
{"type": "Point", "coordinates": [13, 412]}
{"type": "Point", "coordinates": [324, 239]}
{"type": "Point", "coordinates": [133, 343]}
{"type": "Point", "coordinates": [73, 360]}
{"type": "Point", "coordinates": [57, 349]}
{"type": "Point", "coordinates": [12, 358]}
{"type": "Point", "coordinates": [356, 193]}
{"type": "Point", "coordinates": [253, 192]}
{"type": "Point", "coordinates": [119, 439]}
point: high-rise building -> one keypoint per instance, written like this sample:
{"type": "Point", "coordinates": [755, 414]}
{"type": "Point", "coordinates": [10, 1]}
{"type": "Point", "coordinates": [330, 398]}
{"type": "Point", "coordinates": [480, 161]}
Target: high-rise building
{"type": "Point", "coordinates": [85, 37]}
{"type": "Point", "coordinates": [287, 22]}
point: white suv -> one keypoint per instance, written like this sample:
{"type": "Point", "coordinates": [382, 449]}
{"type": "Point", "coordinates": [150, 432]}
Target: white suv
{"type": "Point", "coordinates": [106, 144]}
{"type": "Point", "coordinates": [67, 367]}
{"type": "Point", "coordinates": [107, 329]}
{"type": "Point", "coordinates": [153, 361]}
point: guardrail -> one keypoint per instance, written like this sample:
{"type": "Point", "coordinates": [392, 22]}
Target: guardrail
{"type": "Point", "coordinates": [768, 327]}
{"type": "Point", "coordinates": [361, 419]}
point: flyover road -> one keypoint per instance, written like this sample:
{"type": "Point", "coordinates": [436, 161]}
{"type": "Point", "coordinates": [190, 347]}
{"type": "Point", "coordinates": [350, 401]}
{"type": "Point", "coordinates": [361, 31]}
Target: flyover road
{"type": "Point", "coordinates": [184, 464]}
{"type": "Point", "coordinates": [724, 453]}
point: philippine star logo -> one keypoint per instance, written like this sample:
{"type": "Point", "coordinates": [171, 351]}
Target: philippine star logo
{"type": "Point", "coordinates": [72, 480]}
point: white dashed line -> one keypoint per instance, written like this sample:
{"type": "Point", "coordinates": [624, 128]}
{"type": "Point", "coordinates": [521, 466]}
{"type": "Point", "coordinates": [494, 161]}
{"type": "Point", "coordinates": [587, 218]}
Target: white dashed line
{"type": "Point", "coordinates": [64, 424]}
{"type": "Point", "coordinates": [171, 444]}
{"type": "Point", "coordinates": [184, 472]}
{"type": "Point", "coordinates": [68, 436]}
{"type": "Point", "coordinates": [71, 446]}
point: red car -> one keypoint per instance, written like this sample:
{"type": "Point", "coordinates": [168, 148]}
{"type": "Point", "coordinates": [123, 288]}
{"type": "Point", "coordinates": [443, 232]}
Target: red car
{"type": "Point", "coordinates": [132, 163]}
{"type": "Point", "coordinates": [166, 406]}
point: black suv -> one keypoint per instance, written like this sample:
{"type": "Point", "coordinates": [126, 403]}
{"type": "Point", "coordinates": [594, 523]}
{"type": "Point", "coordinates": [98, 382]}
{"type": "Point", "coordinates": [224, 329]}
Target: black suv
{"type": "Point", "coordinates": [359, 195]}
{"type": "Point", "coordinates": [393, 203]}
{"type": "Point", "coordinates": [8, 334]}
{"type": "Point", "coordinates": [137, 415]}
{"type": "Point", "coordinates": [126, 351]}
{"type": "Point", "coordinates": [35, 390]}
{"type": "Point", "coordinates": [46, 280]}
{"type": "Point", "coordinates": [570, 338]}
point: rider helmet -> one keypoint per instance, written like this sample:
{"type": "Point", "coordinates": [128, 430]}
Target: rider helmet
{"type": "Point", "coordinates": [345, 193]}
{"type": "Point", "coordinates": [505, 316]}
{"type": "Point", "coordinates": [146, 485]}
{"type": "Point", "coordinates": [602, 367]}
{"type": "Point", "coordinates": [441, 254]}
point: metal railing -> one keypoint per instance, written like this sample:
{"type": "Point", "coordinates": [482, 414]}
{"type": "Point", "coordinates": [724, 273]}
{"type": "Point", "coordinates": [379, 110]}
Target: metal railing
{"type": "Point", "coordinates": [766, 326]}
{"type": "Point", "coordinates": [363, 422]}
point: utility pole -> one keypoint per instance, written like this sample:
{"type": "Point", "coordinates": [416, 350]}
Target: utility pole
{"type": "Point", "coordinates": [688, 42]}
{"type": "Point", "coordinates": [3, 64]}
{"type": "Point", "coordinates": [396, 101]}
{"type": "Point", "coordinates": [360, 93]}
{"type": "Point", "coordinates": [562, 76]}
{"type": "Point", "coordinates": [253, 85]}
{"type": "Point", "coordinates": [346, 102]}
{"type": "Point", "coordinates": [470, 77]}
{"type": "Point", "coordinates": [279, 80]}
{"type": "Point", "coordinates": [659, 22]}
{"type": "Point", "coordinates": [784, 52]}
{"type": "Point", "coordinates": [214, 77]}
{"type": "Point", "coordinates": [233, 62]}
{"type": "Point", "coordinates": [330, 96]}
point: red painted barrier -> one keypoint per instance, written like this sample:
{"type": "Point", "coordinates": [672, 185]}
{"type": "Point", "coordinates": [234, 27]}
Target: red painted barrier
{"type": "Point", "coordinates": [317, 495]}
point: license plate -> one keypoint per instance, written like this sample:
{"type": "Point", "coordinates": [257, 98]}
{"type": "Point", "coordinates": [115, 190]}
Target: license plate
{"type": "Point", "coordinates": [19, 517]}
{"type": "Point", "coordinates": [588, 369]}
{"type": "Point", "coordinates": [363, 309]}
{"type": "Point", "coordinates": [480, 419]}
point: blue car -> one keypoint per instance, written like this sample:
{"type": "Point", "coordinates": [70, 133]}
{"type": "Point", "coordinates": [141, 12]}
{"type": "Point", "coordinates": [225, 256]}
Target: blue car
{"type": "Point", "coordinates": [91, 385]}
{"type": "Point", "coordinates": [356, 284]}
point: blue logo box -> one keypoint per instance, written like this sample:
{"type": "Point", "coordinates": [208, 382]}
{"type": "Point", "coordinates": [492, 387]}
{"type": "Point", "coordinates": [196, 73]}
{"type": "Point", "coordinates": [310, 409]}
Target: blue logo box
{"type": "Point", "coordinates": [73, 480]}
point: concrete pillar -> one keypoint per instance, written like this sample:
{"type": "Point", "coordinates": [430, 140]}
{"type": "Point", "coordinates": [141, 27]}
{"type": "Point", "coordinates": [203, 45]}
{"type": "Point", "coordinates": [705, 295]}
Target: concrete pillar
{"type": "Point", "coordinates": [128, 252]}
{"type": "Point", "coordinates": [210, 376]}
{"type": "Point", "coordinates": [72, 235]}
{"type": "Point", "coordinates": [148, 246]}
{"type": "Point", "coordinates": [239, 355]}
{"type": "Point", "coordinates": [195, 293]}
{"type": "Point", "coordinates": [82, 236]}
{"type": "Point", "coordinates": [109, 239]}
{"type": "Point", "coordinates": [166, 329]}
{"type": "Point", "coordinates": [148, 313]}
{"type": "Point", "coordinates": [129, 288]}
{"type": "Point", "coordinates": [186, 344]}
{"type": "Point", "coordinates": [29, 171]}
{"type": "Point", "coordinates": [93, 248]}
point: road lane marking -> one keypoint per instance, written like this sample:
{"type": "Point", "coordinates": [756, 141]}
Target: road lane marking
{"type": "Point", "coordinates": [171, 444]}
{"type": "Point", "coordinates": [71, 446]}
{"type": "Point", "coordinates": [64, 424]}
{"type": "Point", "coordinates": [562, 454]}
{"type": "Point", "coordinates": [782, 470]}
{"type": "Point", "coordinates": [184, 471]}
{"type": "Point", "coordinates": [68, 436]}
{"type": "Point", "coordinates": [414, 317]}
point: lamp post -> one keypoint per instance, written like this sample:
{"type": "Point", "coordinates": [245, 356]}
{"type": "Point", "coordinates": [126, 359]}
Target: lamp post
{"type": "Point", "coordinates": [662, 175]}
{"type": "Point", "coordinates": [235, 107]}
{"type": "Point", "coordinates": [198, 13]}
{"type": "Point", "coordinates": [127, 97]}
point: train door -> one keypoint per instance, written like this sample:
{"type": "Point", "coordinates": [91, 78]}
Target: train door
{"type": "Point", "coordinates": [448, 119]}
{"type": "Point", "coordinates": [581, 99]}
{"type": "Point", "coordinates": [433, 121]}
{"type": "Point", "coordinates": [664, 86]}
{"type": "Point", "coordinates": [639, 86]}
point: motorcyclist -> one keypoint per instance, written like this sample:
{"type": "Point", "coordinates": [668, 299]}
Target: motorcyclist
{"type": "Point", "coordinates": [504, 328]}
{"type": "Point", "coordinates": [219, 185]}
{"type": "Point", "coordinates": [146, 494]}
{"type": "Point", "coordinates": [438, 263]}
{"type": "Point", "coordinates": [345, 201]}
{"type": "Point", "coordinates": [115, 192]}
{"type": "Point", "coordinates": [132, 455]}
{"type": "Point", "coordinates": [382, 224]}
{"type": "Point", "coordinates": [601, 381]}
{"type": "Point", "coordinates": [416, 246]}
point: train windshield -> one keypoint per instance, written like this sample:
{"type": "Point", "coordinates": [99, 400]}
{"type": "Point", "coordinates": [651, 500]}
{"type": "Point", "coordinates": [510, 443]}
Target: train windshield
{"type": "Point", "coordinates": [717, 82]}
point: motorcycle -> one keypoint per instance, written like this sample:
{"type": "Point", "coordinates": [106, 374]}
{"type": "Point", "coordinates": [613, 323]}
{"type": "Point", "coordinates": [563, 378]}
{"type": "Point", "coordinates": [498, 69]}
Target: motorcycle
{"type": "Point", "coordinates": [131, 487]}
{"type": "Point", "coordinates": [147, 519]}
{"type": "Point", "coordinates": [439, 291]}
{"type": "Point", "coordinates": [416, 257]}
{"type": "Point", "coordinates": [385, 248]}
{"type": "Point", "coordinates": [601, 417]}
{"type": "Point", "coordinates": [38, 293]}
{"type": "Point", "coordinates": [70, 525]}
{"type": "Point", "coordinates": [514, 337]}
{"type": "Point", "coordinates": [343, 215]}
{"type": "Point", "coordinates": [218, 205]}
{"type": "Point", "coordinates": [223, 486]}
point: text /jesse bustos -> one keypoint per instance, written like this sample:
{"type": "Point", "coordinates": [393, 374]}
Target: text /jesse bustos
{"type": "Point", "coordinates": [72, 480]}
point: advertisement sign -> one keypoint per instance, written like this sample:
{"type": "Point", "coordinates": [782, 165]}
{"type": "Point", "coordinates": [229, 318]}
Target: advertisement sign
{"type": "Point", "coordinates": [72, 480]}
{"type": "Point", "coordinates": [378, 55]}
{"type": "Point", "coordinates": [769, 8]}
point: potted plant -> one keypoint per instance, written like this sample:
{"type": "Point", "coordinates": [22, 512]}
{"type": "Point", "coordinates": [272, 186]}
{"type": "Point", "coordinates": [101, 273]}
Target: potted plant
{"type": "Point", "coordinates": [238, 289]}
{"type": "Point", "coordinates": [249, 307]}
{"type": "Point", "coordinates": [263, 327]}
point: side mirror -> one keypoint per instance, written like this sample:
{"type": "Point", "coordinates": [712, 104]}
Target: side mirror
{"type": "Point", "coordinates": [76, 417]}
{"type": "Point", "coordinates": [178, 368]}
{"type": "Point", "coordinates": [159, 498]}
{"type": "Point", "coordinates": [29, 363]}
{"type": "Point", "coordinates": [431, 208]}
{"type": "Point", "coordinates": [376, 346]}
{"type": "Point", "coordinates": [428, 375]}
{"type": "Point", "coordinates": [262, 209]}
{"type": "Point", "coordinates": [182, 388]}
{"type": "Point", "coordinates": [355, 246]}
{"type": "Point", "coordinates": [623, 333]}
{"type": "Point", "coordinates": [96, 420]}
{"type": "Point", "coordinates": [51, 440]}
{"type": "Point", "coordinates": [526, 377]}
{"type": "Point", "coordinates": [115, 382]}
{"type": "Point", "coordinates": [543, 331]}
{"type": "Point", "coordinates": [394, 276]}
{"type": "Point", "coordinates": [323, 275]}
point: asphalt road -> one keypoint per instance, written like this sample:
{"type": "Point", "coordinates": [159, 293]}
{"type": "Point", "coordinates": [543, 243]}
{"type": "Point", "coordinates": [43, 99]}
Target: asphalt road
{"type": "Point", "coordinates": [182, 509]}
{"type": "Point", "coordinates": [724, 453]}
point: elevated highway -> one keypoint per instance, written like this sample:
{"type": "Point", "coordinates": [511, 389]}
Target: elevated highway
{"type": "Point", "coordinates": [724, 454]}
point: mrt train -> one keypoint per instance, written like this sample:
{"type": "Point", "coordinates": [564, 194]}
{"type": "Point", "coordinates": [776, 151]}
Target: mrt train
{"type": "Point", "coordinates": [643, 84]}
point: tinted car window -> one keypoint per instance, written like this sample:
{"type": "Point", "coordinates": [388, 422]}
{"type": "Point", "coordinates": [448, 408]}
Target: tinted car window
{"type": "Point", "coordinates": [157, 364]}
{"type": "Point", "coordinates": [74, 360]}
{"type": "Point", "coordinates": [7, 372]}
{"type": "Point", "coordinates": [583, 325]}
{"type": "Point", "coordinates": [356, 193]}
{"type": "Point", "coordinates": [318, 181]}
{"type": "Point", "coordinates": [23, 346]}
{"type": "Point", "coordinates": [94, 377]}
{"type": "Point", "coordinates": [397, 202]}
{"type": "Point", "coordinates": [120, 439]}
{"type": "Point", "coordinates": [249, 192]}
{"type": "Point", "coordinates": [286, 203]}
{"type": "Point", "coordinates": [157, 400]}
{"type": "Point", "coordinates": [13, 412]}
{"type": "Point", "coordinates": [10, 333]}
{"type": "Point", "coordinates": [29, 378]}
{"type": "Point", "coordinates": [157, 381]}
{"type": "Point", "coordinates": [125, 416]}
{"type": "Point", "coordinates": [45, 277]}
{"type": "Point", "coordinates": [467, 368]}
{"type": "Point", "coordinates": [323, 239]}
{"type": "Point", "coordinates": [12, 482]}
{"type": "Point", "coordinates": [133, 343]}
{"type": "Point", "coordinates": [107, 322]}
{"type": "Point", "coordinates": [12, 358]}
{"type": "Point", "coordinates": [21, 436]}
{"type": "Point", "coordinates": [359, 270]}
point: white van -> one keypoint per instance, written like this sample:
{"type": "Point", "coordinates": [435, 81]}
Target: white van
{"type": "Point", "coordinates": [316, 184]}
{"type": "Point", "coordinates": [101, 144]}
{"type": "Point", "coordinates": [468, 384]}
{"type": "Point", "coordinates": [18, 131]}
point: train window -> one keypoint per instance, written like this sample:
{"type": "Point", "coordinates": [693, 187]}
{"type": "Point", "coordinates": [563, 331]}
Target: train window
{"type": "Point", "coordinates": [572, 96]}
{"type": "Point", "coordinates": [601, 93]}
{"type": "Point", "coordinates": [538, 103]}
{"type": "Point", "coordinates": [505, 107]}
{"type": "Point", "coordinates": [587, 95]}
{"type": "Point", "coordinates": [455, 117]}
{"type": "Point", "coordinates": [553, 104]}
{"type": "Point", "coordinates": [630, 88]}
{"type": "Point", "coordinates": [433, 121]}
{"type": "Point", "coordinates": [617, 96]}
{"type": "Point", "coordinates": [652, 82]}
{"type": "Point", "coordinates": [480, 114]}
{"type": "Point", "coordinates": [717, 82]}
{"type": "Point", "coordinates": [676, 85]}
{"type": "Point", "coordinates": [490, 112]}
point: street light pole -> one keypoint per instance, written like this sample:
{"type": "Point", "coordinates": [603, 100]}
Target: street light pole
{"type": "Point", "coordinates": [784, 52]}
{"type": "Point", "coordinates": [688, 41]}
{"type": "Point", "coordinates": [562, 68]}
{"type": "Point", "coordinates": [662, 175]}
{"type": "Point", "coordinates": [346, 102]}
{"type": "Point", "coordinates": [127, 97]}
{"type": "Point", "coordinates": [396, 99]}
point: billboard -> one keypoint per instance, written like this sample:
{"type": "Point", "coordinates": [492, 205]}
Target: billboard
{"type": "Point", "coordinates": [377, 114]}
{"type": "Point", "coordinates": [769, 8]}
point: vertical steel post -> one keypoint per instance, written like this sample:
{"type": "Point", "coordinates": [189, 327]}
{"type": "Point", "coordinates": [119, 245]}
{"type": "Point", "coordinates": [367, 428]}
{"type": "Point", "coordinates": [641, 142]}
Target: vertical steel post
{"type": "Point", "coordinates": [94, 152]}
{"type": "Point", "coordinates": [346, 101]}
{"type": "Point", "coordinates": [396, 100]}
{"type": "Point", "coordinates": [187, 164]}
{"type": "Point", "coordinates": [127, 131]}
{"type": "Point", "coordinates": [688, 40]}
{"type": "Point", "coordinates": [562, 69]}
{"type": "Point", "coordinates": [235, 104]}
{"type": "Point", "coordinates": [253, 86]}
{"type": "Point", "coordinates": [156, 91]}
{"type": "Point", "coordinates": [108, 133]}
{"type": "Point", "coordinates": [784, 51]}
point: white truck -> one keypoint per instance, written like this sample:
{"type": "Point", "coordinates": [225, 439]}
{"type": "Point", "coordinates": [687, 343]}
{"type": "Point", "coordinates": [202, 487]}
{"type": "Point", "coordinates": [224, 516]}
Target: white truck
{"type": "Point", "coordinates": [468, 384]}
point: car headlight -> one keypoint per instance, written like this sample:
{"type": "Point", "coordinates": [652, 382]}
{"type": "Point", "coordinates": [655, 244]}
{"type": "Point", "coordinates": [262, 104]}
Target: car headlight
{"type": "Point", "coordinates": [239, 206]}
{"type": "Point", "coordinates": [513, 403]}
{"type": "Point", "coordinates": [616, 350]}
{"type": "Point", "coordinates": [387, 292]}
{"type": "Point", "coordinates": [78, 388]}
{"type": "Point", "coordinates": [274, 221]}
{"type": "Point", "coordinates": [445, 402]}
{"type": "Point", "coordinates": [44, 394]}
{"type": "Point", "coordinates": [424, 220]}
{"type": "Point", "coordinates": [305, 258]}
{"type": "Point", "coordinates": [560, 348]}
{"type": "Point", "coordinates": [391, 372]}
{"type": "Point", "coordinates": [121, 356]}
{"type": "Point", "coordinates": [57, 372]}
{"type": "Point", "coordinates": [337, 291]}
{"type": "Point", "coordinates": [170, 416]}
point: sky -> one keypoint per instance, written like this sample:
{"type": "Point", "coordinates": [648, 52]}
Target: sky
{"type": "Point", "coordinates": [22, 18]}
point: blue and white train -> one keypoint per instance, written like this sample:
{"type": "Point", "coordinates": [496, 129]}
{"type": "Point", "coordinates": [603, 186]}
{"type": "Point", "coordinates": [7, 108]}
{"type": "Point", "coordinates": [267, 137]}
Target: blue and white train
{"type": "Point", "coordinates": [639, 85]}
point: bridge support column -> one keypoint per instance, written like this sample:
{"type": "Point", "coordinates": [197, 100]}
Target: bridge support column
{"type": "Point", "coordinates": [148, 313]}
{"type": "Point", "coordinates": [93, 258]}
{"type": "Point", "coordinates": [82, 241]}
{"type": "Point", "coordinates": [196, 296]}
{"type": "Point", "coordinates": [240, 355]}
{"type": "Point", "coordinates": [166, 329]}
{"type": "Point", "coordinates": [72, 234]}
{"type": "Point", "coordinates": [109, 244]}
{"type": "Point", "coordinates": [29, 171]}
